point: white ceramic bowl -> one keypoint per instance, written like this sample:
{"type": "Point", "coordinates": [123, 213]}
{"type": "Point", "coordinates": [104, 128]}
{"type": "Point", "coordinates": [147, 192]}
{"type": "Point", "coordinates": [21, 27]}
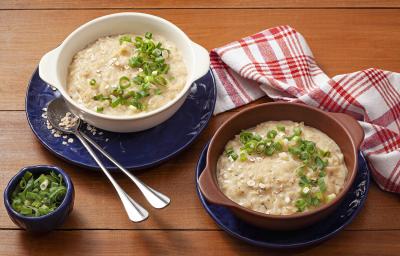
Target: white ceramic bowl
{"type": "Point", "coordinates": [53, 67]}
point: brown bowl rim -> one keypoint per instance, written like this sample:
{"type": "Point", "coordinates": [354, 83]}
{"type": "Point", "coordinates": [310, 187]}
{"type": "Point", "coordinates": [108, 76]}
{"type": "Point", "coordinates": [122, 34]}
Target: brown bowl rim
{"type": "Point", "coordinates": [316, 211]}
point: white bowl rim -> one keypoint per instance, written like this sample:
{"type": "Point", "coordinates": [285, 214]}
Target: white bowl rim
{"type": "Point", "coordinates": [181, 94]}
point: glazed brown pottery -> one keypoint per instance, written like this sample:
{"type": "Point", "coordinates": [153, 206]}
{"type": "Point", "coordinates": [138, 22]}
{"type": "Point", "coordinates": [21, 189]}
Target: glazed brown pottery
{"type": "Point", "coordinates": [343, 129]}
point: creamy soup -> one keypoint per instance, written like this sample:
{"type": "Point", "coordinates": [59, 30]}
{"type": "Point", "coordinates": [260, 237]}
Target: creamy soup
{"type": "Point", "coordinates": [281, 168]}
{"type": "Point", "coordinates": [126, 74]}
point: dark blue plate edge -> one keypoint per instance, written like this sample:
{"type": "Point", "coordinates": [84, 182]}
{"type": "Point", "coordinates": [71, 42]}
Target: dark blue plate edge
{"type": "Point", "coordinates": [131, 168]}
{"type": "Point", "coordinates": [271, 245]}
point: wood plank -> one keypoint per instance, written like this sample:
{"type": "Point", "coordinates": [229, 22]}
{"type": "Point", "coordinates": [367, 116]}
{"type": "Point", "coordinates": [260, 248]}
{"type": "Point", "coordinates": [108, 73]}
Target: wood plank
{"type": "Point", "coordinates": [95, 242]}
{"type": "Point", "coordinates": [97, 4]}
{"type": "Point", "coordinates": [347, 40]}
{"type": "Point", "coordinates": [175, 178]}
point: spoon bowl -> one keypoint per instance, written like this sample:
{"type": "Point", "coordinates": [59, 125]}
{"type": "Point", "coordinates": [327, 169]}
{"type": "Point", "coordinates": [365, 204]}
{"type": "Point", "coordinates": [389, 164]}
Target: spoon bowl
{"type": "Point", "coordinates": [56, 110]}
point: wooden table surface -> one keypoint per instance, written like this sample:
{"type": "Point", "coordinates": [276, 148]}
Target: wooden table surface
{"type": "Point", "coordinates": [345, 36]}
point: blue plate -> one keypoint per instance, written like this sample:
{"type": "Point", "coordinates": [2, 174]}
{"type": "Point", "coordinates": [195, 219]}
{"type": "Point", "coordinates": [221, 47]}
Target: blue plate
{"type": "Point", "coordinates": [134, 151]}
{"type": "Point", "coordinates": [317, 233]}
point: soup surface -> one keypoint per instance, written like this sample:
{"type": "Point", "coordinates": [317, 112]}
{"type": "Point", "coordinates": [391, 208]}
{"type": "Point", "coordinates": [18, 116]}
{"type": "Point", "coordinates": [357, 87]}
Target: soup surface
{"type": "Point", "coordinates": [126, 74]}
{"type": "Point", "coordinates": [281, 168]}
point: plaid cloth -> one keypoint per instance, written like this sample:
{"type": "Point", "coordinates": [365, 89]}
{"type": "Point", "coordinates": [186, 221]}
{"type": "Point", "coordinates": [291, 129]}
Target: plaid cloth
{"type": "Point", "coordinates": [278, 62]}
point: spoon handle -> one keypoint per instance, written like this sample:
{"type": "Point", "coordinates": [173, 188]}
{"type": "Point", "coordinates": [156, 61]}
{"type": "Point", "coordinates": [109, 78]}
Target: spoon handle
{"type": "Point", "coordinates": [155, 198]}
{"type": "Point", "coordinates": [135, 211]}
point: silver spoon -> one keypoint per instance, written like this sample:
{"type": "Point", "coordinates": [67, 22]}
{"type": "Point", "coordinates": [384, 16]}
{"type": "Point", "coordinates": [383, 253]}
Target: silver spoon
{"type": "Point", "coordinates": [56, 110]}
{"type": "Point", "coordinates": [155, 198]}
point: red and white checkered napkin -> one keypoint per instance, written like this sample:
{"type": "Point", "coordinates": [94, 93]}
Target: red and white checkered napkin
{"type": "Point", "coordinates": [278, 62]}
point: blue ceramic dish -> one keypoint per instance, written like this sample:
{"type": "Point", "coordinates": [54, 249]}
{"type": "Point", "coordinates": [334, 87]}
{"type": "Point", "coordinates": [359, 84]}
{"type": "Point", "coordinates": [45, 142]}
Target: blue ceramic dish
{"type": "Point", "coordinates": [317, 233]}
{"type": "Point", "coordinates": [47, 222]}
{"type": "Point", "coordinates": [134, 151]}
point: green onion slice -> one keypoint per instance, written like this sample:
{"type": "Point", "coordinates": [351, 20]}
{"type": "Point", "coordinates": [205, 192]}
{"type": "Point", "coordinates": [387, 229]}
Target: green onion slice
{"type": "Point", "coordinates": [124, 82]}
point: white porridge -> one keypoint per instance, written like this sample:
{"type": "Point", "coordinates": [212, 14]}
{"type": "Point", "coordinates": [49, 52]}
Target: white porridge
{"type": "Point", "coordinates": [126, 74]}
{"type": "Point", "coordinates": [281, 168]}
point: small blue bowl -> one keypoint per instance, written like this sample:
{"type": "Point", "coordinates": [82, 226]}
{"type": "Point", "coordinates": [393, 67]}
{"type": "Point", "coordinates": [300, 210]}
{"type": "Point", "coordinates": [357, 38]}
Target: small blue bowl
{"type": "Point", "coordinates": [47, 222]}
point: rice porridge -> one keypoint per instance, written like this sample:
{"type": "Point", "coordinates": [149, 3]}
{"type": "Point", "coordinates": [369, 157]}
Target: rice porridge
{"type": "Point", "coordinates": [126, 74]}
{"type": "Point", "coordinates": [281, 168]}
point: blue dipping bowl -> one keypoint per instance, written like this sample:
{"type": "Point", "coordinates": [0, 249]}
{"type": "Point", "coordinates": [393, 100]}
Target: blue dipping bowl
{"type": "Point", "coordinates": [47, 222]}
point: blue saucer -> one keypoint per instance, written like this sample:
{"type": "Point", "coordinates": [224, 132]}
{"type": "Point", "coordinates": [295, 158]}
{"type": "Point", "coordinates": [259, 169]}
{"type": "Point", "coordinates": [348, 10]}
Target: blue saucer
{"type": "Point", "coordinates": [317, 233]}
{"type": "Point", "coordinates": [134, 151]}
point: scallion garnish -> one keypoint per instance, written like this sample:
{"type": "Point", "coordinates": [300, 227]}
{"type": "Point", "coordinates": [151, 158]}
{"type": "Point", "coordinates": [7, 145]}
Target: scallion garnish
{"type": "Point", "coordinates": [148, 35]}
{"type": "Point", "coordinates": [150, 61]}
{"type": "Point", "coordinates": [92, 82]}
{"type": "Point", "coordinates": [37, 197]}
{"type": "Point", "coordinates": [100, 97]}
{"type": "Point", "coordinates": [271, 134]}
{"type": "Point", "coordinates": [280, 128]}
{"type": "Point", "coordinates": [125, 38]}
{"type": "Point", "coordinates": [313, 159]}
{"type": "Point", "coordinates": [230, 153]}
{"type": "Point", "coordinates": [124, 82]}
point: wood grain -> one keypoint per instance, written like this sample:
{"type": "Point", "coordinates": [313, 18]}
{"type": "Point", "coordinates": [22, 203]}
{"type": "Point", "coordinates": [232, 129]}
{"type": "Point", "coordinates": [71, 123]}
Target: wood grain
{"type": "Point", "coordinates": [345, 36]}
{"type": "Point", "coordinates": [154, 242]}
{"type": "Point", "coordinates": [346, 41]}
{"type": "Point", "coordinates": [137, 4]}
{"type": "Point", "coordinates": [97, 205]}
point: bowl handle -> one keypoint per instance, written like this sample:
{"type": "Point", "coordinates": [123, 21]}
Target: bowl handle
{"type": "Point", "coordinates": [352, 126]}
{"type": "Point", "coordinates": [210, 191]}
{"type": "Point", "coordinates": [202, 61]}
{"type": "Point", "coordinates": [47, 68]}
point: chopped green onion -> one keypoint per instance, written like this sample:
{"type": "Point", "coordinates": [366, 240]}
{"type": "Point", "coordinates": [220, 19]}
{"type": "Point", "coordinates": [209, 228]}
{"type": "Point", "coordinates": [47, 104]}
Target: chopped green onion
{"type": "Point", "coordinates": [116, 101]}
{"type": "Point", "coordinates": [124, 82]}
{"type": "Point", "coordinates": [277, 146]}
{"type": "Point", "coordinates": [250, 146]}
{"type": "Point", "coordinates": [150, 60]}
{"type": "Point", "coordinates": [280, 128]}
{"type": "Point", "coordinates": [44, 184]}
{"type": "Point", "coordinates": [242, 156]}
{"type": "Point", "coordinates": [99, 109]}
{"type": "Point", "coordinates": [304, 181]}
{"type": "Point", "coordinates": [148, 35]}
{"type": "Point", "coordinates": [160, 80]}
{"type": "Point", "coordinates": [230, 153]}
{"type": "Point", "coordinates": [100, 97]}
{"type": "Point", "coordinates": [321, 184]}
{"type": "Point", "coordinates": [125, 38]}
{"type": "Point", "coordinates": [301, 205]}
{"type": "Point", "coordinates": [38, 196]}
{"type": "Point", "coordinates": [135, 62]}
{"type": "Point", "coordinates": [297, 131]}
{"type": "Point", "coordinates": [320, 163]}
{"type": "Point", "coordinates": [22, 183]}
{"type": "Point", "coordinates": [92, 82]}
{"type": "Point", "coordinates": [257, 137]}
{"type": "Point", "coordinates": [27, 175]}
{"type": "Point", "coordinates": [269, 151]}
{"type": "Point", "coordinates": [272, 134]}
{"type": "Point", "coordinates": [261, 146]}
{"type": "Point", "coordinates": [245, 136]}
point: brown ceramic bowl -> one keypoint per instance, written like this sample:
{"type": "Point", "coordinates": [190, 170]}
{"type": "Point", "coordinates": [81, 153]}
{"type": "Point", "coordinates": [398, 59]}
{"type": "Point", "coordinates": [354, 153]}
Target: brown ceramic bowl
{"type": "Point", "coordinates": [343, 129]}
